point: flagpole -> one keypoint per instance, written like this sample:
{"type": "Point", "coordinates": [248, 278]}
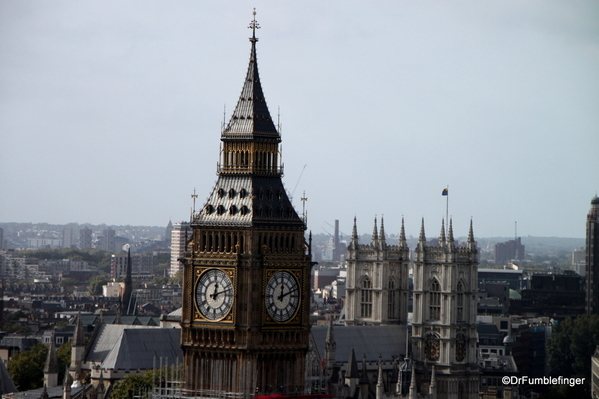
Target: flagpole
{"type": "Point", "coordinates": [447, 211]}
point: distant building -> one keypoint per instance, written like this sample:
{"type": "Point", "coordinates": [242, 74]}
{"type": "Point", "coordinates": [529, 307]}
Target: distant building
{"type": "Point", "coordinates": [106, 241]}
{"type": "Point", "coordinates": [579, 261]}
{"type": "Point", "coordinates": [512, 277]}
{"type": "Point", "coordinates": [68, 238]}
{"type": "Point", "coordinates": [553, 295]}
{"type": "Point", "coordinates": [142, 266]}
{"type": "Point", "coordinates": [1, 238]}
{"type": "Point", "coordinates": [324, 276]}
{"type": "Point", "coordinates": [37, 243]}
{"type": "Point", "coordinates": [85, 238]}
{"type": "Point", "coordinates": [592, 259]}
{"type": "Point", "coordinates": [179, 233]}
{"type": "Point", "coordinates": [510, 250]}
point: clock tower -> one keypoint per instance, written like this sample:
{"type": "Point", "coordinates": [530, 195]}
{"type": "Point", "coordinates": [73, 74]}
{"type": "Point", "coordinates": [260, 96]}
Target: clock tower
{"type": "Point", "coordinates": [245, 323]}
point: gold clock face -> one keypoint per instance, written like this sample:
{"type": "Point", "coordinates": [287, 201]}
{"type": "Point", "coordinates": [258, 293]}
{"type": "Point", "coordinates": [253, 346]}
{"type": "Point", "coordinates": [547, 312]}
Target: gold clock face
{"type": "Point", "coordinates": [214, 294]}
{"type": "Point", "coordinates": [282, 296]}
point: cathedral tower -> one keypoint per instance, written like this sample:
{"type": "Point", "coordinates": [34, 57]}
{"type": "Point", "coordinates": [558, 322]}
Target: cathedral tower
{"type": "Point", "coordinates": [592, 259]}
{"type": "Point", "coordinates": [245, 323]}
{"type": "Point", "coordinates": [444, 327]}
{"type": "Point", "coordinates": [377, 280]}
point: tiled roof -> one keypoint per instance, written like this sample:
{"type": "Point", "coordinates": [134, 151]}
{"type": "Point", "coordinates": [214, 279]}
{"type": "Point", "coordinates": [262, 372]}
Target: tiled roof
{"type": "Point", "coordinates": [251, 118]}
{"type": "Point", "coordinates": [128, 347]}
{"type": "Point", "coordinates": [372, 341]}
{"type": "Point", "coordinates": [247, 200]}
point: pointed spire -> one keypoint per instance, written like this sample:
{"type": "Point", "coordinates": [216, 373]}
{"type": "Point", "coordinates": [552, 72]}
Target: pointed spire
{"type": "Point", "coordinates": [127, 289]}
{"type": "Point", "coordinates": [413, 391]}
{"type": "Point", "coordinates": [352, 366]}
{"type": "Point", "coordinates": [422, 238]}
{"type": "Point", "coordinates": [251, 118]}
{"type": "Point", "coordinates": [375, 234]}
{"type": "Point", "coordinates": [432, 388]}
{"type": "Point", "coordinates": [78, 337]}
{"type": "Point", "coordinates": [51, 365]}
{"type": "Point", "coordinates": [379, 381]}
{"type": "Point", "coordinates": [442, 240]}
{"type": "Point", "coordinates": [364, 374]}
{"type": "Point", "coordinates": [450, 239]}
{"type": "Point", "coordinates": [471, 243]}
{"type": "Point", "coordinates": [382, 241]}
{"type": "Point", "coordinates": [353, 244]}
{"type": "Point", "coordinates": [402, 235]}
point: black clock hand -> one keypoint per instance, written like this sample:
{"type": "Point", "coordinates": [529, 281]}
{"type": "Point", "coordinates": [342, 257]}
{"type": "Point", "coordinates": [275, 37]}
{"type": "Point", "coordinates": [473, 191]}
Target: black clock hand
{"type": "Point", "coordinates": [218, 293]}
{"type": "Point", "coordinates": [213, 295]}
{"type": "Point", "coordinates": [284, 295]}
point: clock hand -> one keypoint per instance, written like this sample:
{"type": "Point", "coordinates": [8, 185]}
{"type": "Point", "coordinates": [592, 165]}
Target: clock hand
{"type": "Point", "coordinates": [220, 292]}
{"type": "Point", "coordinates": [213, 295]}
{"type": "Point", "coordinates": [284, 295]}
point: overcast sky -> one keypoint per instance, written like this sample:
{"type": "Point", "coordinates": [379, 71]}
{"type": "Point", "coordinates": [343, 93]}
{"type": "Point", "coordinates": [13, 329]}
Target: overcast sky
{"type": "Point", "coordinates": [111, 111]}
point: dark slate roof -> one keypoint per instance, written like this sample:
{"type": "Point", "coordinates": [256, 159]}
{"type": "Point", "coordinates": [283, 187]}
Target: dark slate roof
{"type": "Point", "coordinates": [6, 383]}
{"type": "Point", "coordinates": [260, 193]}
{"type": "Point", "coordinates": [388, 341]}
{"type": "Point", "coordinates": [251, 118]}
{"type": "Point", "coordinates": [487, 328]}
{"type": "Point", "coordinates": [109, 319]}
{"type": "Point", "coordinates": [131, 347]}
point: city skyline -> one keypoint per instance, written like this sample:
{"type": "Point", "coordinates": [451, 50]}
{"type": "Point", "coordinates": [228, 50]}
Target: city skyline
{"type": "Point", "coordinates": [114, 117]}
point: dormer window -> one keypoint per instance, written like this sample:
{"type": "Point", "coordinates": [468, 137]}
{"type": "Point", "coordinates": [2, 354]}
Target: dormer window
{"type": "Point", "coordinates": [220, 209]}
{"type": "Point", "coordinates": [242, 193]}
{"type": "Point", "coordinates": [231, 193]}
{"type": "Point", "coordinates": [221, 192]}
{"type": "Point", "coordinates": [209, 209]}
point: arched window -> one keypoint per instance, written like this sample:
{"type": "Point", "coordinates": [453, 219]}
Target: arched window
{"type": "Point", "coordinates": [460, 302]}
{"type": "Point", "coordinates": [434, 301]}
{"type": "Point", "coordinates": [366, 298]}
{"type": "Point", "coordinates": [391, 298]}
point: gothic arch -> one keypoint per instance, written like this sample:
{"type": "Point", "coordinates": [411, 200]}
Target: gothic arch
{"type": "Point", "coordinates": [434, 299]}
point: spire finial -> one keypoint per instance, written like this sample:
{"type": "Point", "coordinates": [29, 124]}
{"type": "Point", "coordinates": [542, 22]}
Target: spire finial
{"type": "Point", "coordinates": [442, 235]}
{"type": "Point", "coordinates": [253, 26]}
{"type": "Point", "coordinates": [375, 234]}
{"type": "Point", "coordinates": [402, 235]}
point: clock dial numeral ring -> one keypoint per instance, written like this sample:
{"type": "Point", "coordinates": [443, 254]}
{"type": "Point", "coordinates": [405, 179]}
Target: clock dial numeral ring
{"type": "Point", "coordinates": [282, 296]}
{"type": "Point", "coordinates": [214, 294]}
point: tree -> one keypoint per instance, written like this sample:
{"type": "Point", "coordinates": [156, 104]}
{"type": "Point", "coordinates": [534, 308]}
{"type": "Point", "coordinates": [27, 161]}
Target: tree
{"type": "Point", "coordinates": [572, 344]}
{"type": "Point", "coordinates": [138, 385]}
{"type": "Point", "coordinates": [26, 368]}
{"type": "Point", "coordinates": [95, 285]}
{"type": "Point", "coordinates": [177, 278]}
{"type": "Point", "coordinates": [64, 359]}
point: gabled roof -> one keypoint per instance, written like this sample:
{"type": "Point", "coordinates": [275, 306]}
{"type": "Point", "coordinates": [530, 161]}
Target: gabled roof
{"type": "Point", "coordinates": [132, 347]}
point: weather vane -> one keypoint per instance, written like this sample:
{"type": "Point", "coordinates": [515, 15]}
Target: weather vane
{"type": "Point", "coordinates": [254, 25]}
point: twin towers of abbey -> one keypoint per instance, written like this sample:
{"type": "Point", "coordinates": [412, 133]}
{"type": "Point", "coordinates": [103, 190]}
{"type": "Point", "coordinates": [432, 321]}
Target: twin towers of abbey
{"type": "Point", "coordinates": [246, 297]}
